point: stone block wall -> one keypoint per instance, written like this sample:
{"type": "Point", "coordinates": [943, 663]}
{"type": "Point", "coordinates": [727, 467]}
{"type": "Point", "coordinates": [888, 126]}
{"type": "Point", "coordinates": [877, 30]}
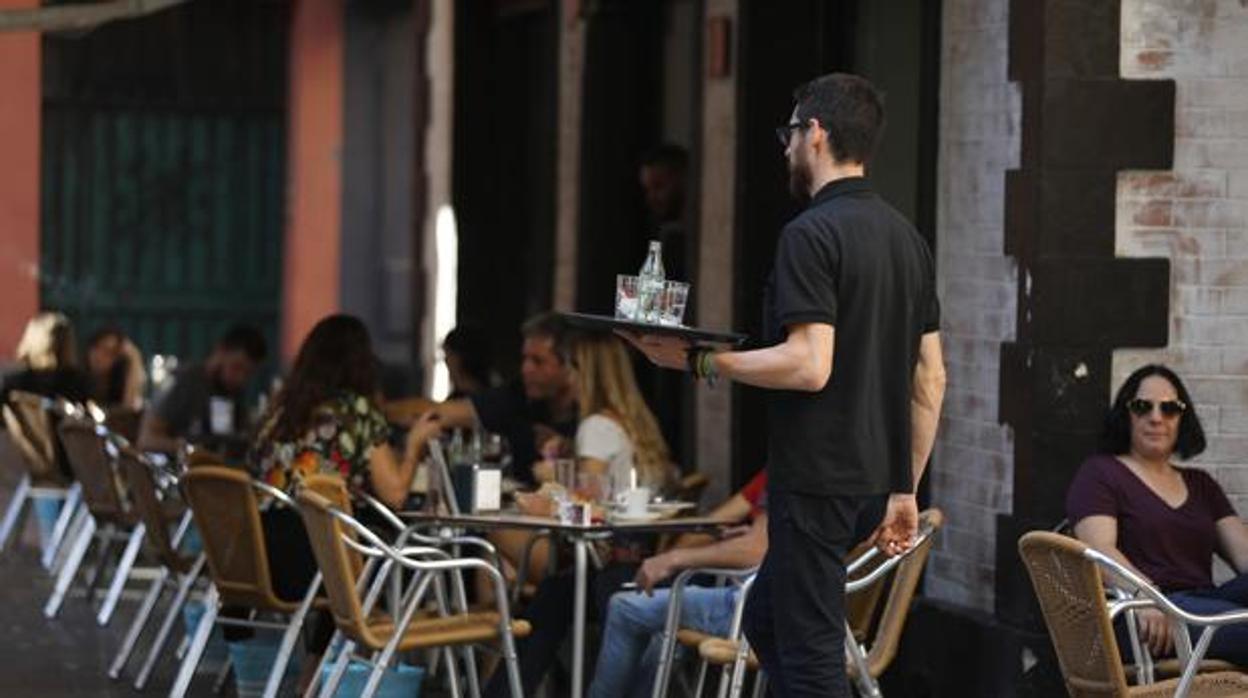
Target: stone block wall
{"type": "Point", "coordinates": [972, 469]}
{"type": "Point", "coordinates": [1197, 214]}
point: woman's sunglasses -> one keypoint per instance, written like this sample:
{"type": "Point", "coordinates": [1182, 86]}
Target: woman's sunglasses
{"type": "Point", "coordinates": [1169, 408]}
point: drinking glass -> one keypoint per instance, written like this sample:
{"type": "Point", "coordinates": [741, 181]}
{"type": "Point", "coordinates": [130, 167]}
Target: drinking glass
{"type": "Point", "coordinates": [565, 473]}
{"type": "Point", "coordinates": [672, 304]}
{"type": "Point", "coordinates": [594, 487]}
{"type": "Point", "coordinates": [627, 289]}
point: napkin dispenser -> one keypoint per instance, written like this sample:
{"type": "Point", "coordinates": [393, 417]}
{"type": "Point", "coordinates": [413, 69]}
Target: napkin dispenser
{"type": "Point", "coordinates": [478, 487]}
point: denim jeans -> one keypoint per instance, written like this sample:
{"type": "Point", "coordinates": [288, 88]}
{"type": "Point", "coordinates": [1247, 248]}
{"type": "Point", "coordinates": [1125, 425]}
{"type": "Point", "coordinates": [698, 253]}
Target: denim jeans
{"type": "Point", "coordinates": [1231, 641]}
{"type": "Point", "coordinates": [633, 637]}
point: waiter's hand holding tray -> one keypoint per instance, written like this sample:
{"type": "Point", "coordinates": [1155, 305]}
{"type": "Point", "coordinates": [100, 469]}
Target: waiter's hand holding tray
{"type": "Point", "coordinates": [695, 336]}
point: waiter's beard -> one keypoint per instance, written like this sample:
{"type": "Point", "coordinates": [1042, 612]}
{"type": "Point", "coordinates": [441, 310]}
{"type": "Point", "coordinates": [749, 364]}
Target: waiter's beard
{"type": "Point", "coordinates": [799, 180]}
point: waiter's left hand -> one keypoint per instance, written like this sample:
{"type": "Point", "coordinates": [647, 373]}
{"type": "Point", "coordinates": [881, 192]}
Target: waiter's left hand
{"type": "Point", "coordinates": [662, 350]}
{"type": "Point", "coordinates": [896, 533]}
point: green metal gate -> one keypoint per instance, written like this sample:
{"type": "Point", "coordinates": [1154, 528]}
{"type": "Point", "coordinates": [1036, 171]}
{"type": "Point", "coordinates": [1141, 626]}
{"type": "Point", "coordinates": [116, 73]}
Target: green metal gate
{"type": "Point", "coordinates": [163, 175]}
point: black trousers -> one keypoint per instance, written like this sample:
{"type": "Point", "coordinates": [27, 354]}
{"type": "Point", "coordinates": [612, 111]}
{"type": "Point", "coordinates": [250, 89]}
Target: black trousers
{"type": "Point", "coordinates": [795, 613]}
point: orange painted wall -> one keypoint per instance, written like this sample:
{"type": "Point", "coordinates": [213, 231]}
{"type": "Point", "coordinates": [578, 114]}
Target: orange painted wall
{"type": "Point", "coordinates": [314, 214]}
{"type": "Point", "coordinates": [20, 95]}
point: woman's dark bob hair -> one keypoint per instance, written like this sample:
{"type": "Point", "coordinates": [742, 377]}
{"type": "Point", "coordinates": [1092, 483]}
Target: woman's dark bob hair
{"type": "Point", "coordinates": [1116, 438]}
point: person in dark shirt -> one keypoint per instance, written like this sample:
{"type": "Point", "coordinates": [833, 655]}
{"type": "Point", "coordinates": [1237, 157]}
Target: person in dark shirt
{"type": "Point", "coordinates": [854, 280]}
{"type": "Point", "coordinates": [184, 411]}
{"type": "Point", "coordinates": [48, 360]}
{"type": "Point", "coordinates": [1162, 521]}
{"type": "Point", "coordinates": [469, 361]}
{"type": "Point", "coordinates": [528, 412]}
{"type": "Point", "coordinates": [663, 174]}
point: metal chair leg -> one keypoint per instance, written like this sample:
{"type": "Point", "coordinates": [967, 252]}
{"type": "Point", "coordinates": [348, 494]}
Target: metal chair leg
{"type": "Point", "coordinates": [78, 519]}
{"type": "Point", "coordinates": [760, 684]}
{"type": "Point", "coordinates": [218, 685]}
{"type": "Point", "coordinates": [121, 575]}
{"type": "Point", "coordinates": [703, 669]}
{"type": "Point", "coordinates": [288, 639]}
{"type": "Point", "coordinates": [340, 669]}
{"type": "Point", "coordinates": [190, 663]}
{"type": "Point", "coordinates": [326, 659]}
{"type": "Point", "coordinates": [171, 617]}
{"type": "Point", "coordinates": [400, 624]}
{"type": "Point", "coordinates": [154, 590]}
{"type": "Point", "coordinates": [14, 513]}
{"type": "Point", "coordinates": [69, 507]}
{"type": "Point", "coordinates": [70, 569]}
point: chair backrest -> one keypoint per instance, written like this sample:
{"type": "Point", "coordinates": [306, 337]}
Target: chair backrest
{"type": "Point", "coordinates": [337, 573]}
{"type": "Point", "coordinates": [862, 608]}
{"type": "Point", "coordinates": [1072, 600]}
{"type": "Point", "coordinates": [145, 497]}
{"type": "Point", "coordinates": [905, 582]}
{"type": "Point", "coordinates": [124, 421]}
{"type": "Point", "coordinates": [87, 448]}
{"type": "Point", "coordinates": [227, 514]}
{"type": "Point", "coordinates": [334, 489]}
{"type": "Point", "coordinates": [29, 425]}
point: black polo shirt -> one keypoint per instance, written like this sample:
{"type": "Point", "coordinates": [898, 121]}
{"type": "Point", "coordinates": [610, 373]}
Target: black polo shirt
{"type": "Point", "coordinates": [852, 261]}
{"type": "Point", "coordinates": [507, 410]}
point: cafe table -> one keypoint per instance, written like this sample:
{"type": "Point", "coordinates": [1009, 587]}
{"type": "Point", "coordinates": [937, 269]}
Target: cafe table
{"type": "Point", "coordinates": [580, 536]}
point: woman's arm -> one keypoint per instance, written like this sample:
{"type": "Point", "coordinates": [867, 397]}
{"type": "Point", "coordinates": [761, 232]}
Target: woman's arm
{"type": "Point", "coordinates": [1101, 533]}
{"type": "Point", "coordinates": [1233, 542]}
{"type": "Point", "coordinates": [390, 474]}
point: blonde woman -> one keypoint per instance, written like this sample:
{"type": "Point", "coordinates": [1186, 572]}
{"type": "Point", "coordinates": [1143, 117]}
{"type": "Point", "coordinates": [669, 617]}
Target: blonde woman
{"type": "Point", "coordinates": [617, 433]}
{"type": "Point", "coordinates": [48, 360]}
{"type": "Point", "coordinates": [617, 436]}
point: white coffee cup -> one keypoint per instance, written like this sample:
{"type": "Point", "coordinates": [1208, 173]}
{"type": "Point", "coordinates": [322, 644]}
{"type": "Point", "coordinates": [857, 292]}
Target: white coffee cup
{"type": "Point", "coordinates": [635, 502]}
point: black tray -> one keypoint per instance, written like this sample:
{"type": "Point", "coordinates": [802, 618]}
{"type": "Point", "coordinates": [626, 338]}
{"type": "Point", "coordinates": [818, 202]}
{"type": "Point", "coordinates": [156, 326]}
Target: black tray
{"type": "Point", "coordinates": [693, 334]}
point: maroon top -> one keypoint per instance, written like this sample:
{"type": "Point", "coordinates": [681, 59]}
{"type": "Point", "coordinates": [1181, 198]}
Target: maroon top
{"type": "Point", "coordinates": [1173, 546]}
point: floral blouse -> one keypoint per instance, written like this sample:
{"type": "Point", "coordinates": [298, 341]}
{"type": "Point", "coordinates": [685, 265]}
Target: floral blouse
{"type": "Point", "coordinates": [343, 435]}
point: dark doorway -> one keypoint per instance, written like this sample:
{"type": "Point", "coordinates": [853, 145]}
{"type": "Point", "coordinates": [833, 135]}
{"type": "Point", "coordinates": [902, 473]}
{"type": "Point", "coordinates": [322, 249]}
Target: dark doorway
{"type": "Point", "coordinates": [506, 65]}
{"type": "Point", "coordinates": [164, 158]}
{"type": "Point", "coordinates": [896, 44]}
{"type": "Point", "coordinates": [640, 90]}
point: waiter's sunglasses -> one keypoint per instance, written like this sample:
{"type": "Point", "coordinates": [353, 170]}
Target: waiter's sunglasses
{"type": "Point", "coordinates": [1169, 408]}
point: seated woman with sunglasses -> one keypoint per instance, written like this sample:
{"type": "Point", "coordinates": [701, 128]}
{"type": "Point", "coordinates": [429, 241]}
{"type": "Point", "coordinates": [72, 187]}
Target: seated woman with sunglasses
{"type": "Point", "coordinates": [1163, 521]}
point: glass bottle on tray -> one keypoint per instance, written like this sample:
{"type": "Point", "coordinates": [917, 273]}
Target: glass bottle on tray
{"type": "Point", "coordinates": [650, 284]}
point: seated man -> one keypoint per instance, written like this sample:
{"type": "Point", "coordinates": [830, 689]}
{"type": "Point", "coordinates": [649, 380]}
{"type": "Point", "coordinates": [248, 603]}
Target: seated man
{"type": "Point", "coordinates": [541, 405]}
{"type": "Point", "coordinates": [551, 608]}
{"type": "Point", "coordinates": [632, 638]}
{"type": "Point", "coordinates": [184, 411]}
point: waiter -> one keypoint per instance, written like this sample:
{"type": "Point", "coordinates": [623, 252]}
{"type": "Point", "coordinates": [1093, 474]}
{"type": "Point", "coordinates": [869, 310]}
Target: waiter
{"type": "Point", "coordinates": [855, 378]}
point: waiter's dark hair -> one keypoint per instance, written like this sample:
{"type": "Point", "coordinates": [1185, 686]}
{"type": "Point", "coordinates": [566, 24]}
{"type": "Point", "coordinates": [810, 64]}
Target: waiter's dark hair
{"type": "Point", "coordinates": [1116, 438]}
{"type": "Point", "coordinates": [849, 108]}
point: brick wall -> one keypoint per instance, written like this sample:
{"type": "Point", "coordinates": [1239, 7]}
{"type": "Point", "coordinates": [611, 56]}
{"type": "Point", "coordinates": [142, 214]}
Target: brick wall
{"type": "Point", "coordinates": [1197, 214]}
{"type": "Point", "coordinates": [972, 469]}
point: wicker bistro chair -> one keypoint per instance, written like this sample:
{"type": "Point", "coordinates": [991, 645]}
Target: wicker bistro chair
{"type": "Point", "coordinates": [1066, 575]}
{"type": "Point", "coordinates": [152, 492]}
{"type": "Point", "coordinates": [334, 489]}
{"type": "Point", "coordinates": [226, 510]}
{"type": "Point", "coordinates": [333, 533]}
{"type": "Point", "coordinates": [28, 420]}
{"type": "Point", "coordinates": [106, 517]}
{"type": "Point", "coordinates": [872, 578]}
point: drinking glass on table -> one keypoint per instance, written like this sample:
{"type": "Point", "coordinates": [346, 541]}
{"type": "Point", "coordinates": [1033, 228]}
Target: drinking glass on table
{"type": "Point", "coordinates": [627, 290]}
{"type": "Point", "coordinates": [594, 487]}
{"type": "Point", "coordinates": [673, 302]}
